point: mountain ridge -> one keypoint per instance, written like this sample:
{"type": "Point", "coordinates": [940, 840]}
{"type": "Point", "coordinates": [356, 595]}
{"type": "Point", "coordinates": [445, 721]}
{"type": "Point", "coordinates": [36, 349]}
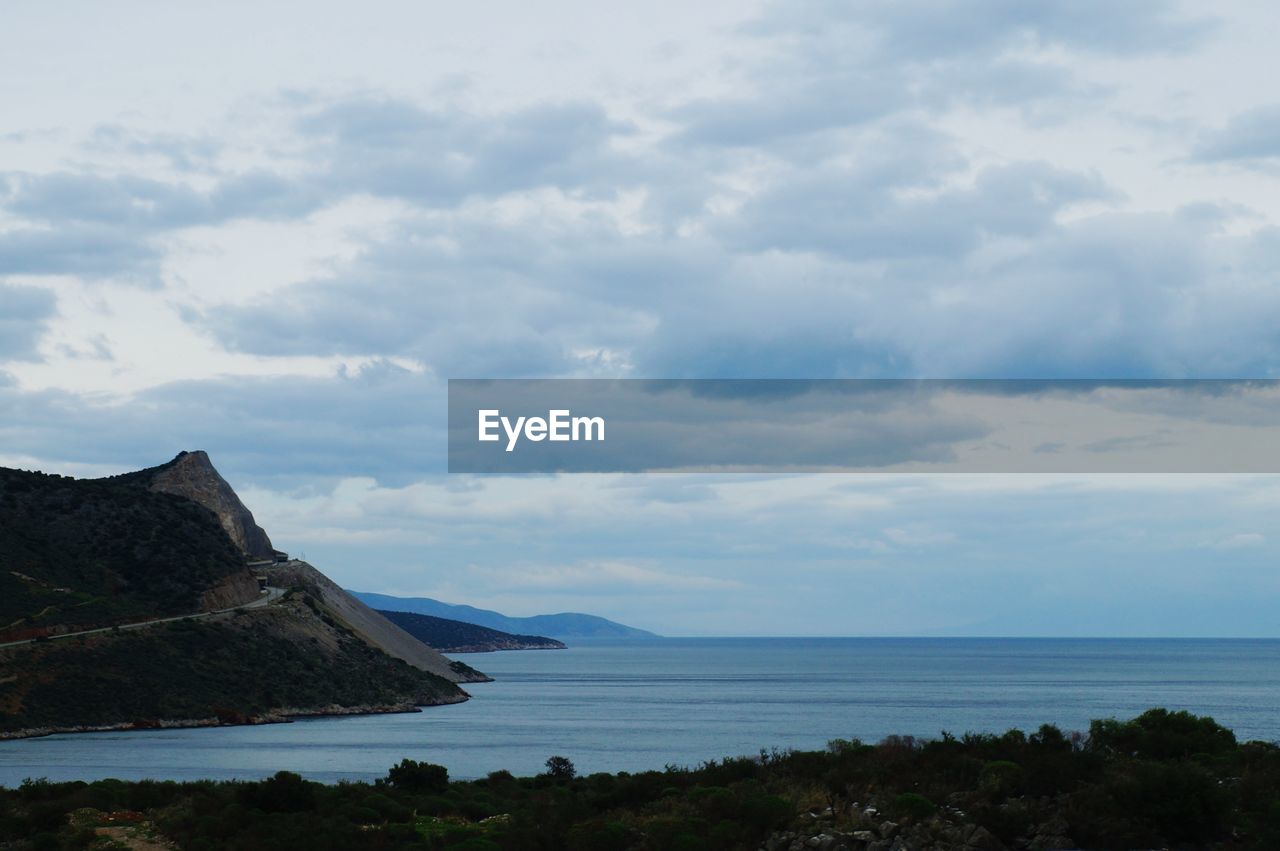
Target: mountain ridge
{"type": "Point", "coordinates": [452, 636]}
{"type": "Point", "coordinates": [562, 625]}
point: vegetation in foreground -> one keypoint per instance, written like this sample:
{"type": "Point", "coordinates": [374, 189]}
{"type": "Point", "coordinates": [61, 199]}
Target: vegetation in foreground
{"type": "Point", "coordinates": [1162, 780]}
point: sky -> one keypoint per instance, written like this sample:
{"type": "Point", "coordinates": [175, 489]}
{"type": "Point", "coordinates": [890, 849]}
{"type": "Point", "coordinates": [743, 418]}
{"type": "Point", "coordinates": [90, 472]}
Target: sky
{"type": "Point", "coordinates": [273, 231]}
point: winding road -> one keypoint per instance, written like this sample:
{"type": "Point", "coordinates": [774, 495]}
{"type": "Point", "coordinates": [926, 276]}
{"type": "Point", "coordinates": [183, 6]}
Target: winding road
{"type": "Point", "coordinates": [268, 596]}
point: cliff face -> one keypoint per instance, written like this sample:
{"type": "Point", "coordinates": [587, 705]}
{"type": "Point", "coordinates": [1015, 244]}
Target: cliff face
{"type": "Point", "coordinates": [193, 476]}
{"type": "Point", "coordinates": [235, 590]}
{"type": "Point", "coordinates": [370, 625]}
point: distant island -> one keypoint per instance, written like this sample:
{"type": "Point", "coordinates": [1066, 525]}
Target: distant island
{"type": "Point", "coordinates": [566, 625]}
{"type": "Point", "coordinates": [1161, 780]}
{"type": "Point", "coordinates": [450, 636]}
{"type": "Point", "coordinates": [153, 599]}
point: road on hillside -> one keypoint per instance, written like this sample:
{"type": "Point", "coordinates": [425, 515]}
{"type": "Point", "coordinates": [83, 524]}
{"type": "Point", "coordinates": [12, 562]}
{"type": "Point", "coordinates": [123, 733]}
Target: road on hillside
{"type": "Point", "coordinates": [268, 596]}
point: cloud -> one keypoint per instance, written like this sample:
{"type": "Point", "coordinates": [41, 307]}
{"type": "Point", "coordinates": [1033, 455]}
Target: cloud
{"type": "Point", "coordinates": [934, 28]}
{"type": "Point", "coordinates": [88, 251]}
{"type": "Point", "coordinates": [99, 227]}
{"type": "Point", "coordinates": [830, 66]}
{"type": "Point", "coordinates": [436, 158]}
{"type": "Point", "coordinates": [608, 574]}
{"type": "Point", "coordinates": [25, 313]}
{"type": "Point", "coordinates": [859, 215]}
{"type": "Point", "coordinates": [1250, 138]}
{"type": "Point", "coordinates": [828, 272]}
{"type": "Point", "coordinates": [471, 297]}
{"type": "Point", "coordinates": [381, 421]}
{"type": "Point", "coordinates": [1243, 540]}
{"type": "Point", "coordinates": [185, 152]}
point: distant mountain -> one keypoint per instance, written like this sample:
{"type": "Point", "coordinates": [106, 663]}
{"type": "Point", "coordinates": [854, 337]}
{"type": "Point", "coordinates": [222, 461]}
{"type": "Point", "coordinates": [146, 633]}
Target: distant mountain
{"type": "Point", "coordinates": [565, 625]}
{"type": "Point", "coordinates": [135, 601]}
{"type": "Point", "coordinates": [450, 636]}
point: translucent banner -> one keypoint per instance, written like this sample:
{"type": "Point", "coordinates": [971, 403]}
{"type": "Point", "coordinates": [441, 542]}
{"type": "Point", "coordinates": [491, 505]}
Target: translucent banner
{"type": "Point", "coordinates": [863, 425]}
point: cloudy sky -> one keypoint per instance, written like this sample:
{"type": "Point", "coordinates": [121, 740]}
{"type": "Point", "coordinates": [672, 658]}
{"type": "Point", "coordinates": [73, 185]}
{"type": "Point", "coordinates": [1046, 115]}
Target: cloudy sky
{"type": "Point", "coordinates": [271, 231]}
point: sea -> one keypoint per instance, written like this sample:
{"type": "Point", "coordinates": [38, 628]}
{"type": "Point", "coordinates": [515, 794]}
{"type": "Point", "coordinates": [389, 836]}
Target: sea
{"type": "Point", "coordinates": [611, 706]}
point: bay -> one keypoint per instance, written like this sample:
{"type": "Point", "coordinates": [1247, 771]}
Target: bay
{"type": "Point", "coordinates": [639, 706]}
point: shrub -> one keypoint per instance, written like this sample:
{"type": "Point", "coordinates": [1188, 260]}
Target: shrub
{"type": "Point", "coordinates": [912, 805]}
{"type": "Point", "coordinates": [1001, 779]}
{"type": "Point", "coordinates": [415, 776]}
{"type": "Point", "coordinates": [560, 768]}
{"type": "Point", "coordinates": [1161, 734]}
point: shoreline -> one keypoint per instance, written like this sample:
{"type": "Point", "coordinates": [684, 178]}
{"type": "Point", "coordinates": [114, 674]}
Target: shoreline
{"type": "Point", "coordinates": [285, 715]}
{"type": "Point", "coordinates": [479, 648]}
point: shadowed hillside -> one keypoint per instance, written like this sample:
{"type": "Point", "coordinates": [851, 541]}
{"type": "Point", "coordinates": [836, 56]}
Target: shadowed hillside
{"type": "Point", "coordinates": [80, 553]}
{"type": "Point", "coordinates": [130, 601]}
{"type": "Point", "coordinates": [449, 636]}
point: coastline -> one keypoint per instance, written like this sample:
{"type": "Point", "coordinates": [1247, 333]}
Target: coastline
{"type": "Point", "coordinates": [481, 648]}
{"type": "Point", "coordinates": [285, 715]}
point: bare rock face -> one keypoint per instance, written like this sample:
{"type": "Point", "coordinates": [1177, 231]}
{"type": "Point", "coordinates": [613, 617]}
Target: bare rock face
{"type": "Point", "coordinates": [235, 590]}
{"type": "Point", "coordinates": [193, 476]}
{"type": "Point", "coordinates": [372, 627]}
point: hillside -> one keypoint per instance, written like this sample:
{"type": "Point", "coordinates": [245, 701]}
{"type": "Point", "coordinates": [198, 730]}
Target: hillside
{"type": "Point", "coordinates": [370, 625]}
{"type": "Point", "coordinates": [564, 625]}
{"type": "Point", "coordinates": [258, 665]}
{"type": "Point", "coordinates": [81, 553]}
{"type": "Point", "coordinates": [450, 636]}
{"type": "Point", "coordinates": [122, 553]}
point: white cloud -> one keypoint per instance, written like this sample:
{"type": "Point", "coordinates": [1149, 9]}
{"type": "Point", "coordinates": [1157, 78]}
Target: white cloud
{"type": "Point", "coordinates": [1242, 540]}
{"type": "Point", "coordinates": [583, 578]}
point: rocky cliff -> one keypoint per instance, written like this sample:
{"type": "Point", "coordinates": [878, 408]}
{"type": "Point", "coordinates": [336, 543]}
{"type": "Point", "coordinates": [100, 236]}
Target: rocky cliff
{"type": "Point", "coordinates": [370, 625]}
{"type": "Point", "coordinates": [192, 475]}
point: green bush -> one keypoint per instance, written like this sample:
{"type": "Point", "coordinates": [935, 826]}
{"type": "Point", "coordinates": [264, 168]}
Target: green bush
{"type": "Point", "coordinates": [1161, 734]}
{"type": "Point", "coordinates": [1001, 779]}
{"type": "Point", "coordinates": [419, 777]}
{"type": "Point", "coordinates": [912, 805]}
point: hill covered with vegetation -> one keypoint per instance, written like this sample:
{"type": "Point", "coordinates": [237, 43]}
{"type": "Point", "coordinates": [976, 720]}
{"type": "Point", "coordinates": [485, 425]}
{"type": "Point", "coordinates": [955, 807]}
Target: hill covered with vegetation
{"type": "Point", "coordinates": [1162, 780]}
{"type": "Point", "coordinates": [78, 553]}
{"type": "Point", "coordinates": [130, 601]}
{"type": "Point", "coordinates": [262, 664]}
{"type": "Point", "coordinates": [450, 636]}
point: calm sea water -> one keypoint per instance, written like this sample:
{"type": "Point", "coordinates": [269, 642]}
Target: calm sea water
{"type": "Point", "coordinates": [612, 707]}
